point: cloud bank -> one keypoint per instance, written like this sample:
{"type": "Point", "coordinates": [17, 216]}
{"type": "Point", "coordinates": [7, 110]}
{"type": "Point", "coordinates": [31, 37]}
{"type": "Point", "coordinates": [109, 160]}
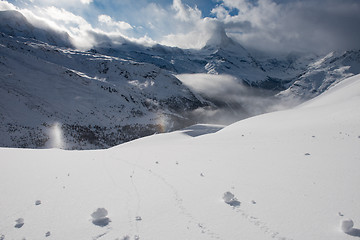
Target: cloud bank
{"type": "Point", "coordinates": [293, 25]}
{"type": "Point", "coordinates": [268, 25]}
{"type": "Point", "coordinates": [234, 100]}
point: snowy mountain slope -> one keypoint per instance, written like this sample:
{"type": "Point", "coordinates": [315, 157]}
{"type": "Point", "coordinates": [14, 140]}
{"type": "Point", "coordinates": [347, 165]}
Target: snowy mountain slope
{"type": "Point", "coordinates": [99, 101]}
{"type": "Point", "coordinates": [284, 175]}
{"type": "Point", "coordinates": [323, 73]}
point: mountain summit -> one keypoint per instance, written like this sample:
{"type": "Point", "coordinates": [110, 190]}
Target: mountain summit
{"type": "Point", "coordinates": [219, 39]}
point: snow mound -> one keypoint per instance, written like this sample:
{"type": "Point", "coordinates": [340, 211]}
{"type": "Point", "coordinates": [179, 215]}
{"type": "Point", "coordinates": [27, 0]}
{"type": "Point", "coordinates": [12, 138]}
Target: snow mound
{"type": "Point", "coordinates": [346, 225]}
{"type": "Point", "coordinates": [230, 199]}
{"type": "Point", "coordinates": [99, 217]}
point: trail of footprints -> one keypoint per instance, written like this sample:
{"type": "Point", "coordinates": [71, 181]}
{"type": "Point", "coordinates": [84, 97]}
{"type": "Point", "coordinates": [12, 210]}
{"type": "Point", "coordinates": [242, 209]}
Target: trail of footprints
{"type": "Point", "coordinates": [179, 203]}
{"type": "Point", "coordinates": [177, 199]}
{"type": "Point", "coordinates": [230, 199]}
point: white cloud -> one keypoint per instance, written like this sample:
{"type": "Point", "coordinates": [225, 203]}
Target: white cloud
{"type": "Point", "coordinates": [86, 1]}
{"type": "Point", "coordinates": [189, 29]}
{"type": "Point", "coordinates": [293, 25]}
{"type": "Point", "coordinates": [62, 3]}
{"type": "Point", "coordinates": [6, 6]}
{"type": "Point", "coordinates": [105, 19]}
{"type": "Point", "coordinates": [62, 20]}
{"type": "Point", "coordinates": [63, 16]}
{"type": "Point", "coordinates": [185, 13]}
{"type": "Point", "coordinates": [83, 34]}
{"type": "Point", "coordinates": [271, 25]}
{"type": "Point", "coordinates": [197, 36]}
{"type": "Point", "coordinates": [175, 25]}
{"type": "Point", "coordinates": [235, 99]}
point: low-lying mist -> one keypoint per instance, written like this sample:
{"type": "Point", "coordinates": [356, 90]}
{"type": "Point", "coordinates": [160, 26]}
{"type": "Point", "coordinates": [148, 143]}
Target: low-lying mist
{"type": "Point", "coordinates": [232, 100]}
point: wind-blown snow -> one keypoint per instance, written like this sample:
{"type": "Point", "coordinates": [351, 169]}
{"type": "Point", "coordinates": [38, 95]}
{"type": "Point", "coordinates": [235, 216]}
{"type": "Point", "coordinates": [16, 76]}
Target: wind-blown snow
{"type": "Point", "coordinates": [175, 182]}
{"type": "Point", "coordinates": [56, 136]}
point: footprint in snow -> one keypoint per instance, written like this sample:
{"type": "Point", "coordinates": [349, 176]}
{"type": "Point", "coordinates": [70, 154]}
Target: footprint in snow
{"type": "Point", "coordinates": [19, 223]}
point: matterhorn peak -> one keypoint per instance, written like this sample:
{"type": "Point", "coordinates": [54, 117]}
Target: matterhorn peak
{"type": "Point", "coordinates": [220, 40]}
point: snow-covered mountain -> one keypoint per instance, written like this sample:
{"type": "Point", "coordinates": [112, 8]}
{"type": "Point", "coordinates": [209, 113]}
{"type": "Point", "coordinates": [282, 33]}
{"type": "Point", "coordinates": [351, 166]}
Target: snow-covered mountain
{"type": "Point", "coordinates": [321, 74]}
{"type": "Point", "coordinates": [285, 175]}
{"type": "Point", "coordinates": [98, 101]}
{"type": "Point", "coordinates": [221, 55]}
{"type": "Point", "coordinates": [118, 92]}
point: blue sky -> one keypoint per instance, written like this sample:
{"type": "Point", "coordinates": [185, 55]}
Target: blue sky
{"type": "Point", "coordinates": [270, 25]}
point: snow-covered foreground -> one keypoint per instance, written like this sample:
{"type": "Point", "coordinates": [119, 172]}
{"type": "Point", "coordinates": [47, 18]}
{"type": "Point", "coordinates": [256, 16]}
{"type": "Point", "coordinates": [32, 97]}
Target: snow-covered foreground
{"type": "Point", "coordinates": [286, 175]}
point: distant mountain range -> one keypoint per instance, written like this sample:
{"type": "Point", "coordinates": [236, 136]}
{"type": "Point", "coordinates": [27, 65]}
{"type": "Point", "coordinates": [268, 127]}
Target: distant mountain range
{"type": "Point", "coordinates": [114, 93]}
